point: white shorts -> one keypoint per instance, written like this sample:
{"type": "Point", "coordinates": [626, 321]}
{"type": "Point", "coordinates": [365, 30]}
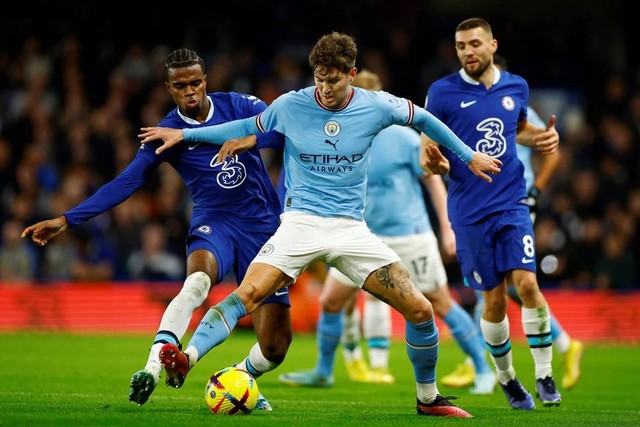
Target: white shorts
{"type": "Point", "coordinates": [343, 243]}
{"type": "Point", "coordinates": [420, 254]}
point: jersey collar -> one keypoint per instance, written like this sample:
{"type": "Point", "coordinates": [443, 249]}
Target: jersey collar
{"type": "Point", "coordinates": [316, 95]}
{"type": "Point", "coordinates": [191, 121]}
{"type": "Point", "coordinates": [471, 81]}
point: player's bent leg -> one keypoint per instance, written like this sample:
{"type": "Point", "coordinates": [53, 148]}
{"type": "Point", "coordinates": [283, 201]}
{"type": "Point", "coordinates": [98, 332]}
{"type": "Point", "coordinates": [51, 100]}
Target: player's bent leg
{"type": "Point", "coordinates": [393, 285]}
{"type": "Point", "coordinates": [173, 326]}
{"type": "Point", "coordinates": [272, 323]}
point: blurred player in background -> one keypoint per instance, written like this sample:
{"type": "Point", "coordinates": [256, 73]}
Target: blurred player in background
{"type": "Point", "coordinates": [396, 212]}
{"type": "Point", "coordinates": [494, 233]}
{"type": "Point", "coordinates": [328, 132]}
{"type": "Point", "coordinates": [235, 211]}
{"type": "Point", "coordinates": [571, 350]}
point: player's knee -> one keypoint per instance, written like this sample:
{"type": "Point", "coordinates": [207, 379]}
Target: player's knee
{"type": "Point", "coordinates": [527, 288]}
{"type": "Point", "coordinates": [330, 303]}
{"type": "Point", "coordinates": [197, 286]}
{"type": "Point", "coordinates": [418, 312]}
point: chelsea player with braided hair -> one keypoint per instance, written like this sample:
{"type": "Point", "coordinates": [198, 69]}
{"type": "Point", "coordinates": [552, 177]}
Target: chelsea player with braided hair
{"type": "Point", "coordinates": [235, 211]}
{"type": "Point", "coordinates": [328, 132]}
{"type": "Point", "coordinates": [494, 233]}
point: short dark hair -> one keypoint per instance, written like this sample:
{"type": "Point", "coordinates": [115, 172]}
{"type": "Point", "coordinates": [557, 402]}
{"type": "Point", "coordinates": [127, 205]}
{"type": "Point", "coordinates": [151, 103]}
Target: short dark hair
{"type": "Point", "coordinates": [471, 23]}
{"type": "Point", "coordinates": [334, 51]}
{"type": "Point", "coordinates": [182, 58]}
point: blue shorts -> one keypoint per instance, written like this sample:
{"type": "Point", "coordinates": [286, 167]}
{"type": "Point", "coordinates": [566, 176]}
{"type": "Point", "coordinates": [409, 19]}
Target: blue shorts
{"type": "Point", "coordinates": [233, 247]}
{"type": "Point", "coordinates": [488, 249]}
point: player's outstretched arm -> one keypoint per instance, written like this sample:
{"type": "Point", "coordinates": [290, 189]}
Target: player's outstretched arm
{"type": "Point", "coordinates": [483, 165]}
{"type": "Point", "coordinates": [169, 136]}
{"type": "Point", "coordinates": [480, 164]}
{"type": "Point", "coordinates": [44, 231]}
{"type": "Point", "coordinates": [236, 146]}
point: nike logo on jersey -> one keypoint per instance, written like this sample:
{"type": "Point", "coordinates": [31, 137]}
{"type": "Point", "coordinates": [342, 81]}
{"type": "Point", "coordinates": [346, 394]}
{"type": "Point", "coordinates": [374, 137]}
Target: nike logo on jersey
{"type": "Point", "coordinates": [465, 104]}
{"type": "Point", "coordinates": [191, 147]}
{"type": "Point", "coordinates": [526, 260]}
{"type": "Point", "coordinates": [281, 292]}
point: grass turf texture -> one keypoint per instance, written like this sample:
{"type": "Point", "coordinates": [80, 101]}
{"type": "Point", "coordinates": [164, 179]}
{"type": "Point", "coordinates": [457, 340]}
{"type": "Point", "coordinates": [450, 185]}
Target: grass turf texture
{"type": "Point", "coordinates": [83, 380]}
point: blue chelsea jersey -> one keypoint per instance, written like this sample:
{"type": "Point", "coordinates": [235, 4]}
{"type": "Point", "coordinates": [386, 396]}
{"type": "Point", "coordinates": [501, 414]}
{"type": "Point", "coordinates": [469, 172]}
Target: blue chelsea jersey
{"type": "Point", "coordinates": [486, 120]}
{"type": "Point", "coordinates": [238, 188]}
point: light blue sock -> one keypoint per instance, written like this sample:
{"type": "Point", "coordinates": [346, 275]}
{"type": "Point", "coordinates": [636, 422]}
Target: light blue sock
{"type": "Point", "coordinates": [422, 349]}
{"type": "Point", "coordinates": [477, 310]}
{"type": "Point", "coordinates": [468, 337]}
{"type": "Point", "coordinates": [329, 331]}
{"type": "Point", "coordinates": [217, 324]}
{"type": "Point", "coordinates": [556, 329]}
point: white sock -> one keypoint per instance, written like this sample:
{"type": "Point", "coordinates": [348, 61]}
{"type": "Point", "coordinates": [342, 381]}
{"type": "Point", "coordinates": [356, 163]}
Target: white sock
{"type": "Point", "coordinates": [498, 334]}
{"type": "Point", "coordinates": [351, 334]}
{"type": "Point", "coordinates": [562, 342]}
{"type": "Point", "coordinates": [377, 330]}
{"type": "Point", "coordinates": [255, 363]}
{"type": "Point", "coordinates": [178, 313]}
{"type": "Point", "coordinates": [536, 321]}
{"type": "Point", "coordinates": [427, 392]}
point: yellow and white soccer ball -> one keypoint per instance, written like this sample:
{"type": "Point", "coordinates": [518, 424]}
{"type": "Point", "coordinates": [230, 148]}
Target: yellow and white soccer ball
{"type": "Point", "coordinates": [231, 391]}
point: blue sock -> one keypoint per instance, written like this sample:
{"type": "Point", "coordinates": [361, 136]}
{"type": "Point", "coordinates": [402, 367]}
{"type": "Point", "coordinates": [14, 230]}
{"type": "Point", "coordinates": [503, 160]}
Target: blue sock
{"type": "Point", "coordinates": [422, 349]}
{"type": "Point", "coordinates": [166, 337]}
{"type": "Point", "coordinates": [329, 331]}
{"type": "Point", "coordinates": [468, 337]}
{"type": "Point", "coordinates": [217, 324]}
{"type": "Point", "coordinates": [382, 343]}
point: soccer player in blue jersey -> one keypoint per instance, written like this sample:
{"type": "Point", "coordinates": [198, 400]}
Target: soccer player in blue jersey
{"type": "Point", "coordinates": [494, 233]}
{"type": "Point", "coordinates": [569, 348]}
{"type": "Point", "coordinates": [328, 132]}
{"type": "Point", "coordinates": [236, 209]}
{"type": "Point", "coordinates": [396, 212]}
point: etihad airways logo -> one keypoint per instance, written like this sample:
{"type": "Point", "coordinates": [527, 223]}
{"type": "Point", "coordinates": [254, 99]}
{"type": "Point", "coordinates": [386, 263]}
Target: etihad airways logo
{"type": "Point", "coordinates": [330, 162]}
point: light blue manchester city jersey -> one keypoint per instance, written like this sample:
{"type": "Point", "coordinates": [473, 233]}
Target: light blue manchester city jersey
{"type": "Point", "coordinates": [394, 205]}
{"type": "Point", "coordinates": [326, 151]}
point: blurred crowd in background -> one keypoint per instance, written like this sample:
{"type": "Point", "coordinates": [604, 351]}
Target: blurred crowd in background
{"type": "Point", "coordinates": [74, 92]}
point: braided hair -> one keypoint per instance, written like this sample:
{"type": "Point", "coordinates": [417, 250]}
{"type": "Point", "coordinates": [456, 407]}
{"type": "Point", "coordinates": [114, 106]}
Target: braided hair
{"type": "Point", "coordinates": [182, 58]}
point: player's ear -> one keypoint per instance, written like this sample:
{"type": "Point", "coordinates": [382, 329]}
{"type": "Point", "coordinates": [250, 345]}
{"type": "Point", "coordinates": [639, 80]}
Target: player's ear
{"type": "Point", "coordinates": [494, 46]}
{"type": "Point", "coordinates": [352, 74]}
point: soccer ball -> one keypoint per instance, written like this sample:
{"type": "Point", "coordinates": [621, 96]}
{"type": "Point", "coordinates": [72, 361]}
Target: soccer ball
{"type": "Point", "coordinates": [231, 391]}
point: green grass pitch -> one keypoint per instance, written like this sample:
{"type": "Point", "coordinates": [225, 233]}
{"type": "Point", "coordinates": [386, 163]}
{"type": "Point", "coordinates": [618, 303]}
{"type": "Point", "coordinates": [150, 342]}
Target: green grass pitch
{"type": "Point", "coordinates": [51, 379]}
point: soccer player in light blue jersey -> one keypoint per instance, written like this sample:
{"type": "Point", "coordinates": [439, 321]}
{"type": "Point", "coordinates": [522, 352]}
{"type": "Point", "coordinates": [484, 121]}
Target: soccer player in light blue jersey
{"type": "Point", "coordinates": [396, 212]}
{"type": "Point", "coordinates": [235, 211]}
{"type": "Point", "coordinates": [494, 233]}
{"type": "Point", "coordinates": [328, 131]}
